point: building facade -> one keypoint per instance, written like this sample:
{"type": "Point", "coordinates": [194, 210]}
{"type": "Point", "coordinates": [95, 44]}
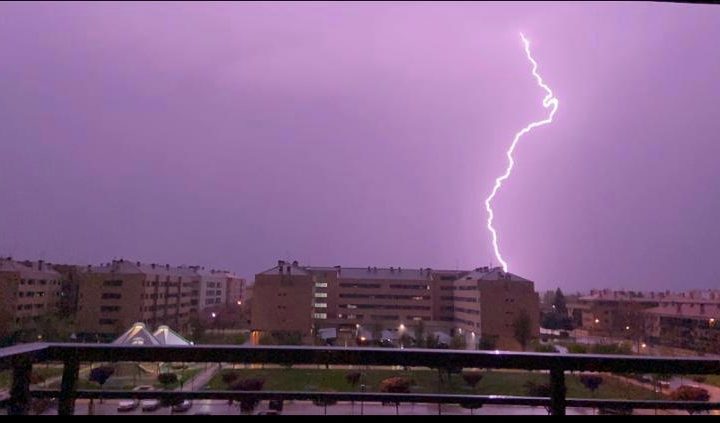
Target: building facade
{"type": "Point", "coordinates": [476, 304]}
{"type": "Point", "coordinates": [114, 296]}
{"type": "Point", "coordinates": [28, 290]}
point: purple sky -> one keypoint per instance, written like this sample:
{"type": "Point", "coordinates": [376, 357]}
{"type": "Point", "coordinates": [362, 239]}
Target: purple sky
{"type": "Point", "coordinates": [232, 135]}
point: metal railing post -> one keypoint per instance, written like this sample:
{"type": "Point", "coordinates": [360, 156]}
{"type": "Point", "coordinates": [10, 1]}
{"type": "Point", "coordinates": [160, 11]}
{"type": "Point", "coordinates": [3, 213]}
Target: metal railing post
{"type": "Point", "coordinates": [557, 391]}
{"type": "Point", "coordinates": [20, 390]}
{"type": "Point", "coordinates": [71, 370]}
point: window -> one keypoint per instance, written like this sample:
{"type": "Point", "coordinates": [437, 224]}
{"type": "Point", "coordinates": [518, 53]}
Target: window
{"type": "Point", "coordinates": [111, 296]}
{"type": "Point", "coordinates": [320, 284]}
{"type": "Point", "coordinates": [109, 309]}
{"type": "Point", "coordinates": [113, 283]}
{"type": "Point", "coordinates": [321, 295]}
{"type": "Point", "coordinates": [320, 305]}
{"type": "Point", "coordinates": [107, 321]}
{"type": "Point", "coordinates": [319, 315]}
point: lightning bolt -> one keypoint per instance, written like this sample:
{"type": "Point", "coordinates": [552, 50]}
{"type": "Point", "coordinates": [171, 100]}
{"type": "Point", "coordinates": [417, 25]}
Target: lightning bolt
{"type": "Point", "coordinates": [548, 102]}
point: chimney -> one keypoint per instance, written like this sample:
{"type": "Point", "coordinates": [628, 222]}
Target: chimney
{"type": "Point", "coordinates": [167, 267]}
{"type": "Point", "coordinates": [288, 269]}
{"type": "Point", "coordinates": [152, 265]}
{"type": "Point", "coordinates": [137, 264]}
{"type": "Point", "coordinates": [40, 263]}
{"type": "Point", "coordinates": [368, 269]}
{"type": "Point", "coordinates": [295, 263]}
{"type": "Point", "coordinates": [399, 269]}
{"type": "Point", "coordinates": [392, 269]}
{"type": "Point", "coordinates": [375, 269]}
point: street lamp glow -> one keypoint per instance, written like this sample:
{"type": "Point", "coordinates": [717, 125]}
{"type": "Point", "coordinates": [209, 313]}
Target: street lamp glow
{"type": "Point", "coordinates": [597, 320]}
{"type": "Point", "coordinates": [402, 326]}
{"type": "Point", "coordinates": [213, 315]}
{"type": "Point", "coordinates": [643, 345]}
{"type": "Point", "coordinates": [627, 327]}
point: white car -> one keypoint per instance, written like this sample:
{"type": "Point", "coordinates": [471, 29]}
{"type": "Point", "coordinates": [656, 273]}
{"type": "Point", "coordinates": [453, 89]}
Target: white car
{"type": "Point", "coordinates": [182, 407]}
{"type": "Point", "coordinates": [128, 405]}
{"type": "Point", "coordinates": [150, 404]}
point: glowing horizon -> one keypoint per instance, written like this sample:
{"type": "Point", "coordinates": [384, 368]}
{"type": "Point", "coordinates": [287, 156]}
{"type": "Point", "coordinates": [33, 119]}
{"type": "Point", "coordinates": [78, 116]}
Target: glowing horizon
{"type": "Point", "coordinates": [548, 101]}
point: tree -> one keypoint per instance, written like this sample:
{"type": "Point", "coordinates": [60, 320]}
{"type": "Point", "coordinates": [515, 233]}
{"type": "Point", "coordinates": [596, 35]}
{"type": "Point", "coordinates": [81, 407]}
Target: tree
{"type": "Point", "coordinates": [487, 343]}
{"type": "Point", "coordinates": [591, 382]}
{"type": "Point", "coordinates": [559, 303]}
{"type": "Point", "coordinates": [472, 377]}
{"type": "Point", "coordinates": [690, 393]}
{"type": "Point", "coordinates": [431, 342]}
{"type": "Point", "coordinates": [522, 329]}
{"type": "Point", "coordinates": [538, 390]}
{"type": "Point", "coordinates": [197, 330]}
{"type": "Point", "coordinates": [377, 329]}
{"type": "Point", "coordinates": [406, 340]}
{"type": "Point", "coordinates": [248, 404]}
{"type": "Point", "coordinates": [167, 379]}
{"type": "Point", "coordinates": [472, 405]}
{"type": "Point", "coordinates": [353, 378]}
{"type": "Point", "coordinates": [324, 402]}
{"type": "Point", "coordinates": [396, 385]}
{"type": "Point", "coordinates": [100, 375]}
{"type": "Point", "coordinates": [420, 334]}
{"type": "Point", "coordinates": [458, 342]}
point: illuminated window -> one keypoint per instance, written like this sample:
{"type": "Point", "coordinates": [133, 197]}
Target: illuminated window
{"type": "Point", "coordinates": [321, 305]}
{"type": "Point", "coordinates": [320, 315]}
{"type": "Point", "coordinates": [321, 295]}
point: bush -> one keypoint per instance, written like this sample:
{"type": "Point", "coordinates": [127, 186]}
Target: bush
{"type": "Point", "coordinates": [230, 376]}
{"type": "Point", "coordinates": [690, 393]}
{"type": "Point", "coordinates": [353, 378]}
{"type": "Point", "coordinates": [472, 377]}
{"type": "Point", "coordinates": [545, 348]}
{"type": "Point", "coordinates": [101, 374]}
{"type": "Point", "coordinates": [577, 349]}
{"type": "Point", "coordinates": [248, 404]}
{"type": "Point", "coordinates": [167, 378]}
{"type": "Point", "coordinates": [591, 382]}
{"type": "Point", "coordinates": [537, 389]}
{"type": "Point", "coordinates": [396, 385]}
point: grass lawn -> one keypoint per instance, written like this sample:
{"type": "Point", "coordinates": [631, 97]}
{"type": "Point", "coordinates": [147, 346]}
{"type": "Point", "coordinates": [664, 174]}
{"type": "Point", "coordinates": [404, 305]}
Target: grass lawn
{"type": "Point", "coordinates": [426, 381]}
{"type": "Point", "coordinates": [40, 370]}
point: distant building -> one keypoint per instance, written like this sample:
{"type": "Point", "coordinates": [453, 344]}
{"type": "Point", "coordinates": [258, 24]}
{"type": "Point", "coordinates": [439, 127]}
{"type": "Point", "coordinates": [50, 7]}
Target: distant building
{"type": "Point", "coordinates": [27, 290]}
{"type": "Point", "coordinates": [482, 303]}
{"type": "Point", "coordinates": [114, 296]}
{"type": "Point", "coordinates": [687, 320]}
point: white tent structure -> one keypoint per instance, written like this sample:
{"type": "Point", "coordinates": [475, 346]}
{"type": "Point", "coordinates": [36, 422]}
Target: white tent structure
{"type": "Point", "coordinates": [137, 335]}
{"type": "Point", "coordinates": [167, 336]}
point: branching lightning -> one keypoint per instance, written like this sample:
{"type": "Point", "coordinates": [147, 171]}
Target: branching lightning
{"type": "Point", "coordinates": [548, 102]}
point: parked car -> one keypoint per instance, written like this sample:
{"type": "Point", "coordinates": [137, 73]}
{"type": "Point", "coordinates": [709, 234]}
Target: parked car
{"type": "Point", "coordinates": [182, 407]}
{"type": "Point", "coordinates": [150, 404]}
{"type": "Point", "coordinates": [128, 405]}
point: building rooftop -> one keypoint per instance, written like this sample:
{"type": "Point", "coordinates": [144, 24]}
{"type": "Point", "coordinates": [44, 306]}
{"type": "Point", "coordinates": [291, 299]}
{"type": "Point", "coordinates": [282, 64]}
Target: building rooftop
{"type": "Point", "coordinates": [394, 273]}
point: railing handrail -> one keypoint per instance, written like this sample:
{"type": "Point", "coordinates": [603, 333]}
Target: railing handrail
{"type": "Point", "coordinates": [366, 356]}
{"type": "Point", "coordinates": [72, 354]}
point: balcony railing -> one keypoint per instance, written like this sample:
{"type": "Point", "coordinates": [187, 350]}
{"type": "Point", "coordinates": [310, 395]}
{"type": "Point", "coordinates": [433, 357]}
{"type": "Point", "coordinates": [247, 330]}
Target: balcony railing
{"type": "Point", "coordinates": [22, 357]}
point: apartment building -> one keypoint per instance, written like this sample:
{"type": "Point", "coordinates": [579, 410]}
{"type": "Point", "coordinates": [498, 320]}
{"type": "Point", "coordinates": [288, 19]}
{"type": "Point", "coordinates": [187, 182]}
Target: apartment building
{"type": "Point", "coordinates": [114, 296]}
{"type": "Point", "coordinates": [691, 325]}
{"type": "Point", "coordinates": [487, 301]}
{"type": "Point", "coordinates": [27, 290]}
{"type": "Point", "coordinates": [478, 303]}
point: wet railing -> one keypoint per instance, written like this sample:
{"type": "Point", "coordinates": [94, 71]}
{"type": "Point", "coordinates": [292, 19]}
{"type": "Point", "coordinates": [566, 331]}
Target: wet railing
{"type": "Point", "coordinates": [21, 359]}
